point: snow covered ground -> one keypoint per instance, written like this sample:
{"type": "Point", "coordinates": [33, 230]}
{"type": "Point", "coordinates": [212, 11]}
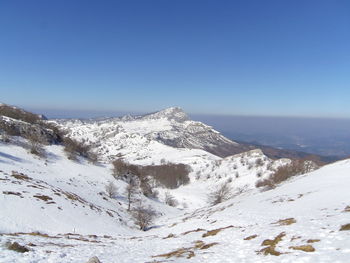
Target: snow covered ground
{"type": "Point", "coordinates": [58, 209]}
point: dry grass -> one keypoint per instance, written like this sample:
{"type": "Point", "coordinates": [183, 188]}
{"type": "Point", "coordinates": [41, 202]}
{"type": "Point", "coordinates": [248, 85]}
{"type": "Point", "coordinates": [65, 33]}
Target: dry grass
{"type": "Point", "coordinates": [285, 222]}
{"type": "Point", "coordinates": [250, 237]}
{"type": "Point", "coordinates": [271, 245]}
{"type": "Point", "coordinates": [12, 193]}
{"type": "Point", "coordinates": [182, 252]}
{"type": "Point", "coordinates": [17, 247]}
{"type": "Point", "coordinates": [345, 227]}
{"type": "Point", "coordinates": [313, 241]}
{"type": "Point", "coordinates": [347, 209]}
{"type": "Point", "coordinates": [192, 231]}
{"type": "Point", "coordinates": [187, 252]}
{"type": "Point", "coordinates": [214, 231]}
{"type": "Point", "coordinates": [43, 197]}
{"type": "Point", "coordinates": [169, 236]}
{"type": "Point", "coordinates": [305, 248]}
{"type": "Point", "coordinates": [20, 176]}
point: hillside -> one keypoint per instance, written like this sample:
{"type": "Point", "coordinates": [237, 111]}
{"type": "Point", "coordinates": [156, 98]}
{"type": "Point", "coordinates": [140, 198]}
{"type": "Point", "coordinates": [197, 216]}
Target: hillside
{"type": "Point", "coordinates": [59, 208]}
{"type": "Point", "coordinates": [78, 218]}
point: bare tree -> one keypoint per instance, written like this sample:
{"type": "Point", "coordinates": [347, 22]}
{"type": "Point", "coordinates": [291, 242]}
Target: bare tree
{"type": "Point", "coordinates": [170, 200]}
{"type": "Point", "coordinates": [143, 216]}
{"type": "Point", "coordinates": [111, 190]}
{"type": "Point", "coordinates": [35, 144]}
{"type": "Point", "coordinates": [223, 193]}
{"type": "Point", "coordinates": [4, 137]}
{"type": "Point", "coordinates": [130, 191]}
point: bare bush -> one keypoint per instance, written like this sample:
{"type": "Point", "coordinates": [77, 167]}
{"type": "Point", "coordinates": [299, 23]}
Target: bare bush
{"type": "Point", "coordinates": [111, 190]}
{"type": "Point", "coordinates": [296, 167]}
{"type": "Point", "coordinates": [19, 114]}
{"type": "Point", "coordinates": [143, 216]}
{"type": "Point", "coordinates": [130, 192]}
{"type": "Point", "coordinates": [74, 149]}
{"type": "Point", "coordinates": [123, 170]}
{"type": "Point", "coordinates": [221, 194]}
{"type": "Point", "coordinates": [170, 200]}
{"type": "Point", "coordinates": [169, 175]}
{"type": "Point", "coordinates": [4, 137]}
{"type": "Point", "coordinates": [35, 145]}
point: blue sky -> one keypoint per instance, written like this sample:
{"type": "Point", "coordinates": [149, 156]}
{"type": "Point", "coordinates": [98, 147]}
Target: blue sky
{"type": "Point", "coordinates": [285, 58]}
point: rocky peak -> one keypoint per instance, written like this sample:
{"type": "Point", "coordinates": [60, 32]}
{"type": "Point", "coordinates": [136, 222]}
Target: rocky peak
{"type": "Point", "coordinates": [173, 113]}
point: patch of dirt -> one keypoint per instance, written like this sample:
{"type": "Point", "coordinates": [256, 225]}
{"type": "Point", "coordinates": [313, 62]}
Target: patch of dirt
{"type": "Point", "coordinates": [285, 222]}
{"type": "Point", "coordinates": [305, 248]}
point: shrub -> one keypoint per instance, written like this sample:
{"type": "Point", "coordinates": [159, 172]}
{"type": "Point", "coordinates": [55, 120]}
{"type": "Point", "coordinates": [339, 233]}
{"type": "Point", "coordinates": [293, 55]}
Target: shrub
{"type": "Point", "coordinates": [123, 170]}
{"type": "Point", "coordinates": [169, 175]}
{"type": "Point", "coordinates": [143, 216]}
{"type": "Point", "coordinates": [221, 194]}
{"type": "Point", "coordinates": [35, 144]}
{"type": "Point", "coordinates": [19, 114]}
{"type": "Point", "coordinates": [74, 149]}
{"type": "Point", "coordinates": [16, 247]}
{"type": "Point", "coordinates": [296, 167]}
{"type": "Point", "coordinates": [4, 137]}
{"type": "Point", "coordinates": [170, 200]}
{"type": "Point", "coordinates": [111, 190]}
{"type": "Point", "coordinates": [130, 192]}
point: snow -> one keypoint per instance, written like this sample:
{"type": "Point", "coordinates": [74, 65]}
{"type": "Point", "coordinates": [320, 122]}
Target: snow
{"type": "Point", "coordinates": [59, 209]}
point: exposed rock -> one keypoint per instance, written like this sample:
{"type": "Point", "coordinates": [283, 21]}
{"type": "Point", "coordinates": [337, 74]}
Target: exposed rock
{"type": "Point", "coordinates": [94, 260]}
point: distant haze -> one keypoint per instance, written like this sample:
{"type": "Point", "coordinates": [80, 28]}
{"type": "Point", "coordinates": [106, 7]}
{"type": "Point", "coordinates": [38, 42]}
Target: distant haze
{"type": "Point", "coordinates": [323, 136]}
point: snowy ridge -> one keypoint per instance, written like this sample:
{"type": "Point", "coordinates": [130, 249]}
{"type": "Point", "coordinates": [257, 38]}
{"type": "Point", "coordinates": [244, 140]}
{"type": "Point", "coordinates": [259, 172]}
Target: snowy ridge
{"type": "Point", "coordinates": [128, 135]}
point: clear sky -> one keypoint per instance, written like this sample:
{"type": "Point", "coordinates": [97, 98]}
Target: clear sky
{"type": "Point", "coordinates": [287, 58]}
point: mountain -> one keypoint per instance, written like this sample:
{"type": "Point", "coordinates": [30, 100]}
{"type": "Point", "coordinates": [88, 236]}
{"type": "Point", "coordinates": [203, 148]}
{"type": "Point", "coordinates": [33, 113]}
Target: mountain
{"type": "Point", "coordinates": [171, 127]}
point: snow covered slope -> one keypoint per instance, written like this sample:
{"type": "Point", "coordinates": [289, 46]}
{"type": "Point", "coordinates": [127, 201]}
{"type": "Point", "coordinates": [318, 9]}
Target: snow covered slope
{"type": "Point", "coordinates": [299, 221]}
{"type": "Point", "coordinates": [59, 209]}
{"type": "Point", "coordinates": [146, 134]}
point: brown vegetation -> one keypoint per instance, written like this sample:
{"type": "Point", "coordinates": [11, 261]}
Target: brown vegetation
{"type": "Point", "coordinates": [17, 247]}
{"type": "Point", "coordinates": [223, 193]}
{"type": "Point", "coordinates": [215, 231]}
{"type": "Point", "coordinates": [250, 237]}
{"type": "Point", "coordinates": [296, 167]}
{"type": "Point", "coordinates": [305, 248]}
{"type": "Point", "coordinates": [285, 222]}
{"type": "Point", "coordinates": [271, 245]}
{"type": "Point", "coordinates": [345, 227]}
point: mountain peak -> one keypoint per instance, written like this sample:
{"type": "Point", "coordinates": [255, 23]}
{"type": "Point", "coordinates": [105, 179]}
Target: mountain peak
{"type": "Point", "coordinates": [172, 113]}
